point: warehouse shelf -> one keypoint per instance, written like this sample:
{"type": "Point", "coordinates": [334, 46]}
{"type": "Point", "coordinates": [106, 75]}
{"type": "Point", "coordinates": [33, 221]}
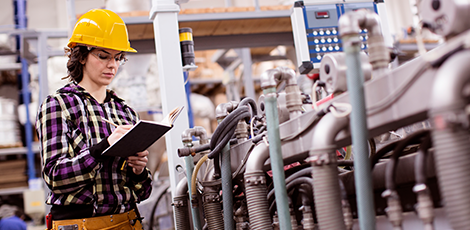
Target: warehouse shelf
{"type": "Point", "coordinates": [19, 150]}
{"type": "Point", "coordinates": [219, 28]}
{"type": "Point", "coordinates": [10, 191]}
{"type": "Point", "coordinates": [10, 66]}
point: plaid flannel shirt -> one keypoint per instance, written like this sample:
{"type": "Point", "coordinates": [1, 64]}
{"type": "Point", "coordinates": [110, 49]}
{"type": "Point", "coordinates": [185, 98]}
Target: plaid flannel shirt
{"type": "Point", "coordinates": [68, 124]}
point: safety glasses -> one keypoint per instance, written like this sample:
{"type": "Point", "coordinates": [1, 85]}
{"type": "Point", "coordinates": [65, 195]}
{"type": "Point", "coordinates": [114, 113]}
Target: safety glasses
{"type": "Point", "coordinates": [106, 57]}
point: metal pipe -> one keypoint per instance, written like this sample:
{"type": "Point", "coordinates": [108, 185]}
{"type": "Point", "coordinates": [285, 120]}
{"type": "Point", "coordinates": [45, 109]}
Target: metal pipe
{"type": "Point", "coordinates": [450, 137]}
{"type": "Point", "coordinates": [352, 22]}
{"type": "Point", "coordinates": [275, 151]}
{"type": "Point", "coordinates": [227, 188]}
{"type": "Point", "coordinates": [196, 131]}
{"type": "Point", "coordinates": [325, 173]}
{"type": "Point", "coordinates": [186, 137]}
{"type": "Point", "coordinates": [349, 27]}
{"type": "Point", "coordinates": [180, 202]}
{"type": "Point", "coordinates": [227, 197]}
{"type": "Point", "coordinates": [255, 184]}
{"type": "Point", "coordinates": [293, 95]}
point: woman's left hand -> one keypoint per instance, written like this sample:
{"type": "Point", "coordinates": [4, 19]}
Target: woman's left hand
{"type": "Point", "coordinates": [138, 162]}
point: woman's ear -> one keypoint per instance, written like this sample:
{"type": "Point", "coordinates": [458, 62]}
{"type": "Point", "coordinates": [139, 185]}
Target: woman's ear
{"type": "Point", "coordinates": [83, 61]}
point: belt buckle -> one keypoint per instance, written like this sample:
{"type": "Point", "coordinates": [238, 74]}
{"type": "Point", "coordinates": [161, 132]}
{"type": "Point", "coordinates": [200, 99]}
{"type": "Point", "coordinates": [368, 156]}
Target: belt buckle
{"type": "Point", "coordinates": [68, 227]}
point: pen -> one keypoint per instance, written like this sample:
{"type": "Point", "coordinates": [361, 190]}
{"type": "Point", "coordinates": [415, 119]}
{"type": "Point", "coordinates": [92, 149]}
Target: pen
{"type": "Point", "coordinates": [110, 122]}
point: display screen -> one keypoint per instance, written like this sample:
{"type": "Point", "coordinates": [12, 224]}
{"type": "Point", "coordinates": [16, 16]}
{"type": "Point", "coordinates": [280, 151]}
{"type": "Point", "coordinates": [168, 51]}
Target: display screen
{"type": "Point", "coordinates": [322, 14]}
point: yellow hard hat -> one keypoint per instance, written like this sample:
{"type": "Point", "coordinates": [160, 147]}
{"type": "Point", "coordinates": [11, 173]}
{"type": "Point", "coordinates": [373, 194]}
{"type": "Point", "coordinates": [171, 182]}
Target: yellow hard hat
{"type": "Point", "coordinates": [102, 28]}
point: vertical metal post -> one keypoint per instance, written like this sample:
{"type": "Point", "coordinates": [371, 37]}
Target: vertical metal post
{"type": "Point", "coordinates": [71, 16]}
{"type": "Point", "coordinates": [277, 163]}
{"type": "Point", "coordinates": [245, 55]}
{"type": "Point", "coordinates": [164, 14]}
{"type": "Point", "coordinates": [359, 134]}
{"type": "Point", "coordinates": [25, 92]}
{"type": "Point", "coordinates": [42, 63]}
{"type": "Point", "coordinates": [257, 8]}
{"type": "Point", "coordinates": [189, 174]}
{"type": "Point", "coordinates": [187, 88]}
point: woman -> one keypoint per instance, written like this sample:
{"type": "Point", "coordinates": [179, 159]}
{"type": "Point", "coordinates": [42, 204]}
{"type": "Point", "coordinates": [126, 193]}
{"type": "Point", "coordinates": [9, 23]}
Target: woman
{"type": "Point", "coordinates": [88, 190]}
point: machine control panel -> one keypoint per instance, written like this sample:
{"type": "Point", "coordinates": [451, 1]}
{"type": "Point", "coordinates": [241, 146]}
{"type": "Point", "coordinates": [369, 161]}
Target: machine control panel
{"type": "Point", "coordinates": [319, 25]}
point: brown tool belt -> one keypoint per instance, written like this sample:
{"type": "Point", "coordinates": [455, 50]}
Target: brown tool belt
{"type": "Point", "coordinates": [124, 221]}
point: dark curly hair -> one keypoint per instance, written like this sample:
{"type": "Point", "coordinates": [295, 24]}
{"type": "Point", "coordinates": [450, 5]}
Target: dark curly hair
{"type": "Point", "coordinates": [76, 56]}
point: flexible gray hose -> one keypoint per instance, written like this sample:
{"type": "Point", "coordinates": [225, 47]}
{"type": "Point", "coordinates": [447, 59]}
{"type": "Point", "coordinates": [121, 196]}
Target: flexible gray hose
{"type": "Point", "coordinates": [180, 202]}
{"type": "Point", "coordinates": [212, 209]}
{"type": "Point", "coordinates": [182, 212]}
{"type": "Point", "coordinates": [451, 137]}
{"type": "Point", "coordinates": [452, 161]}
{"type": "Point", "coordinates": [325, 172]}
{"type": "Point", "coordinates": [255, 188]}
{"type": "Point", "coordinates": [327, 192]}
{"type": "Point", "coordinates": [257, 201]}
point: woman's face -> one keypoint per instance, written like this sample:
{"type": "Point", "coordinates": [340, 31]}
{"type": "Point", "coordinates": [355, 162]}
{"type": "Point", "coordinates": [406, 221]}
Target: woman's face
{"type": "Point", "coordinates": [101, 66]}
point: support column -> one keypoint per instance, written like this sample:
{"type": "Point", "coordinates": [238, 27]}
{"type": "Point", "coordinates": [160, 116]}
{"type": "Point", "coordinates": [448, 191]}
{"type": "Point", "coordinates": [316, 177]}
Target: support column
{"type": "Point", "coordinates": [170, 73]}
{"type": "Point", "coordinates": [245, 55]}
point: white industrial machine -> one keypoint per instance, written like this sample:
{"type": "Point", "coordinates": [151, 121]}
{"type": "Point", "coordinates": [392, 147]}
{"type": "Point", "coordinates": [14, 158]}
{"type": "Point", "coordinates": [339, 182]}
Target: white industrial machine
{"type": "Point", "coordinates": [273, 164]}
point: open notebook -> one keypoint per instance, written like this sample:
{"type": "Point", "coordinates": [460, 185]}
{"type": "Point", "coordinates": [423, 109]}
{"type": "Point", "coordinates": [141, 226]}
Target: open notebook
{"type": "Point", "coordinates": [142, 135]}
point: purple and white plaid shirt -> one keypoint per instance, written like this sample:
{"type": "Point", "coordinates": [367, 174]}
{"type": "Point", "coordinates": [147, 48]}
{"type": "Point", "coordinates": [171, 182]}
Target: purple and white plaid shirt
{"type": "Point", "coordinates": [68, 124]}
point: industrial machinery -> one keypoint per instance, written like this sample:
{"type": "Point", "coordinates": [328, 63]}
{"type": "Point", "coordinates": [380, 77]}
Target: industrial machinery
{"type": "Point", "coordinates": [282, 163]}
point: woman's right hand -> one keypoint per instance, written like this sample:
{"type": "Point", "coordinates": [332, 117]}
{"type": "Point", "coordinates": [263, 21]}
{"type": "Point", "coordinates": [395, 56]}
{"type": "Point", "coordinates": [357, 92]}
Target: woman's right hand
{"type": "Point", "coordinates": [117, 133]}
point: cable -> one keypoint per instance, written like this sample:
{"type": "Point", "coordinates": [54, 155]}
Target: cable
{"type": "Point", "coordinates": [374, 159]}
{"type": "Point", "coordinates": [420, 161]}
{"type": "Point", "coordinates": [226, 129]}
{"type": "Point", "coordinates": [347, 109]}
{"type": "Point", "coordinates": [292, 184]}
{"type": "Point", "coordinates": [397, 152]}
{"type": "Point", "coordinates": [234, 174]}
{"type": "Point", "coordinates": [252, 103]}
{"type": "Point", "coordinates": [314, 93]}
{"type": "Point", "coordinates": [305, 172]}
{"type": "Point", "coordinates": [194, 176]}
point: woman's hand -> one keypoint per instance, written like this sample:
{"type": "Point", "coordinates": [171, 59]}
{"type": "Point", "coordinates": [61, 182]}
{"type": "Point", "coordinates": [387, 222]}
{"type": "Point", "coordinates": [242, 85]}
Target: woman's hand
{"type": "Point", "coordinates": [117, 133]}
{"type": "Point", "coordinates": [138, 162]}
